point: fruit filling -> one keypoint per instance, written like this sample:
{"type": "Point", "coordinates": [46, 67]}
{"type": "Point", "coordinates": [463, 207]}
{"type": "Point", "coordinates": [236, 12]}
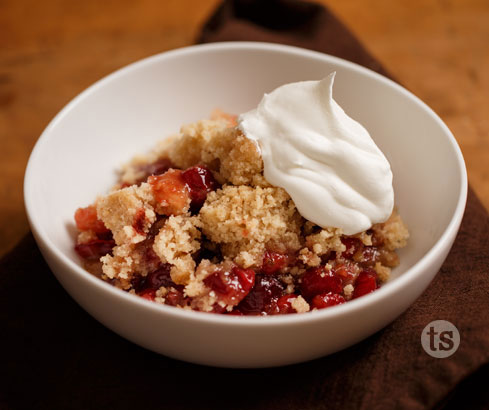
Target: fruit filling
{"type": "Point", "coordinates": [194, 224]}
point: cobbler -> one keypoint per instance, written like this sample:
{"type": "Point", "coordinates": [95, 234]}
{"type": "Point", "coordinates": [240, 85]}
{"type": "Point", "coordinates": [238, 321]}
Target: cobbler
{"type": "Point", "coordinates": [194, 224]}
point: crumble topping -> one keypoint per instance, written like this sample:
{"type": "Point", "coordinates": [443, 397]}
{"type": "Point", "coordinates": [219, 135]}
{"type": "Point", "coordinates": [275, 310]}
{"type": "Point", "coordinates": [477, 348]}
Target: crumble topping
{"type": "Point", "coordinates": [128, 213]}
{"type": "Point", "coordinates": [300, 305]}
{"type": "Point", "coordinates": [393, 232]}
{"type": "Point", "coordinates": [244, 220]}
{"type": "Point", "coordinates": [122, 264]}
{"type": "Point", "coordinates": [232, 156]}
{"type": "Point", "coordinates": [177, 240]}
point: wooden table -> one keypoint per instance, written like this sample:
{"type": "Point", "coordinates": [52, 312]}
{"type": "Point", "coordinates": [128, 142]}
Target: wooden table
{"type": "Point", "coordinates": [51, 50]}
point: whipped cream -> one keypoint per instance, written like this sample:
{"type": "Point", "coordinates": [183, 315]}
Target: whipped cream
{"type": "Point", "coordinates": [326, 161]}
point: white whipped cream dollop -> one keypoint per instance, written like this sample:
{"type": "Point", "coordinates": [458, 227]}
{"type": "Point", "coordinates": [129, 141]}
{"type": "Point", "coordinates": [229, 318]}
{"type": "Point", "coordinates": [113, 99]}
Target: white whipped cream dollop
{"type": "Point", "coordinates": [326, 161]}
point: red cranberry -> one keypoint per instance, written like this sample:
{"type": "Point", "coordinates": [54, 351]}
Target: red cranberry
{"type": "Point", "coordinates": [86, 220]}
{"type": "Point", "coordinates": [150, 257]}
{"type": "Point", "coordinates": [347, 272]}
{"type": "Point", "coordinates": [365, 283]}
{"type": "Point", "coordinates": [206, 253]}
{"type": "Point", "coordinates": [148, 294]}
{"type": "Point", "coordinates": [357, 251]}
{"type": "Point", "coordinates": [326, 300]}
{"type": "Point", "coordinates": [353, 245]}
{"type": "Point", "coordinates": [219, 309]}
{"type": "Point", "coordinates": [175, 297]}
{"type": "Point", "coordinates": [236, 312]}
{"type": "Point", "coordinates": [95, 249]}
{"type": "Point", "coordinates": [138, 283]}
{"type": "Point", "coordinates": [263, 297]}
{"type": "Point", "coordinates": [231, 286]}
{"type": "Point", "coordinates": [284, 304]}
{"type": "Point", "coordinates": [107, 235]}
{"type": "Point", "coordinates": [319, 280]}
{"type": "Point", "coordinates": [160, 277]}
{"type": "Point", "coordinates": [200, 181]}
{"type": "Point", "coordinates": [328, 257]}
{"type": "Point", "coordinates": [273, 262]}
{"type": "Point", "coordinates": [368, 256]}
{"type": "Point", "coordinates": [139, 220]}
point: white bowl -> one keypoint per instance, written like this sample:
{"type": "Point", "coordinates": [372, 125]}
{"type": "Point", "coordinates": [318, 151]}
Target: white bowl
{"type": "Point", "coordinates": [125, 113]}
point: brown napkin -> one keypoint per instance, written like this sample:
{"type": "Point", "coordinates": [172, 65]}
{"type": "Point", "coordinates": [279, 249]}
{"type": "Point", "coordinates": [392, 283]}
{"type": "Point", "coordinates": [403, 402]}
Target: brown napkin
{"type": "Point", "coordinates": [54, 355]}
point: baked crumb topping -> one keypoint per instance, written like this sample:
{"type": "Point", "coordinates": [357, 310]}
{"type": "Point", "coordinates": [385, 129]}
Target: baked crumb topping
{"type": "Point", "coordinates": [246, 220]}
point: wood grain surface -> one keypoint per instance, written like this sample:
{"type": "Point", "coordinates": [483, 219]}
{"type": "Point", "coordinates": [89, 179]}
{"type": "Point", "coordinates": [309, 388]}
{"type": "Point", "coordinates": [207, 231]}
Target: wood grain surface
{"type": "Point", "coordinates": [51, 50]}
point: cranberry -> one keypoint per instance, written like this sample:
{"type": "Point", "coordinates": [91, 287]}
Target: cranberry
{"type": "Point", "coordinates": [149, 260]}
{"type": "Point", "coordinates": [217, 308]}
{"type": "Point", "coordinates": [148, 294]}
{"type": "Point", "coordinates": [263, 297]}
{"type": "Point", "coordinates": [328, 257]}
{"type": "Point", "coordinates": [139, 220]}
{"type": "Point", "coordinates": [353, 245]}
{"type": "Point", "coordinates": [95, 249]}
{"type": "Point", "coordinates": [206, 253]}
{"type": "Point", "coordinates": [357, 251]}
{"type": "Point", "coordinates": [347, 272]}
{"type": "Point", "coordinates": [326, 300]}
{"type": "Point", "coordinates": [170, 191]}
{"type": "Point", "coordinates": [231, 286]}
{"type": "Point", "coordinates": [284, 304]}
{"type": "Point", "coordinates": [107, 235]}
{"type": "Point", "coordinates": [150, 257]}
{"type": "Point", "coordinates": [175, 297]}
{"type": "Point", "coordinates": [319, 280]}
{"type": "Point", "coordinates": [156, 227]}
{"type": "Point", "coordinates": [157, 278]}
{"type": "Point", "coordinates": [236, 312]}
{"type": "Point", "coordinates": [86, 220]}
{"type": "Point", "coordinates": [273, 262]}
{"type": "Point", "coordinates": [365, 283]}
{"type": "Point", "coordinates": [368, 256]}
{"type": "Point", "coordinates": [138, 283]}
{"type": "Point", "coordinates": [200, 181]}
{"type": "Point", "coordinates": [160, 277]}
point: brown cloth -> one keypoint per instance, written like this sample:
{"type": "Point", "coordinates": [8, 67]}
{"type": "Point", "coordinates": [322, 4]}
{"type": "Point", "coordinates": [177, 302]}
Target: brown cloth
{"type": "Point", "coordinates": [53, 355]}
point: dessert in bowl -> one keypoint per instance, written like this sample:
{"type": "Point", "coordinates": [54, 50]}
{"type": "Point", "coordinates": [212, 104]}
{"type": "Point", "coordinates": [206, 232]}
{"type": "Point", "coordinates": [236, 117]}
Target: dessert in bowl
{"type": "Point", "coordinates": [76, 158]}
{"type": "Point", "coordinates": [285, 209]}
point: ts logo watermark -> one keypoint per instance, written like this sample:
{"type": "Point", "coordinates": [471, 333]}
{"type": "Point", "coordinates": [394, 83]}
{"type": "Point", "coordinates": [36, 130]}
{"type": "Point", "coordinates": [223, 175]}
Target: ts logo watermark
{"type": "Point", "coordinates": [440, 339]}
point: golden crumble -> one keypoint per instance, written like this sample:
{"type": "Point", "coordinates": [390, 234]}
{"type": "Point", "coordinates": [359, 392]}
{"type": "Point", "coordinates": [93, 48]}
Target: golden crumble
{"type": "Point", "coordinates": [244, 220]}
{"type": "Point", "coordinates": [175, 243]}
